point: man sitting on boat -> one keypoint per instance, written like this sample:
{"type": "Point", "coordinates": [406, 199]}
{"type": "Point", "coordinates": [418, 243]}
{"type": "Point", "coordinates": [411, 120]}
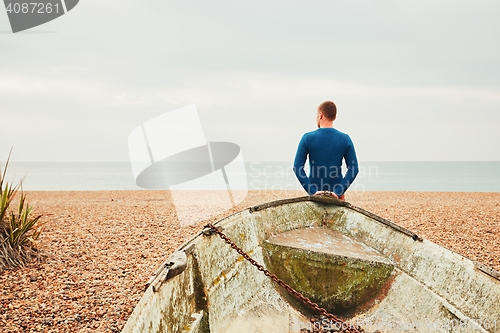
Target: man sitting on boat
{"type": "Point", "coordinates": [326, 147]}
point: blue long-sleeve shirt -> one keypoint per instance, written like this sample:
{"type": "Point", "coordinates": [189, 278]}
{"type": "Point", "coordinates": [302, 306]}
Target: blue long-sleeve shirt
{"type": "Point", "coordinates": [326, 148]}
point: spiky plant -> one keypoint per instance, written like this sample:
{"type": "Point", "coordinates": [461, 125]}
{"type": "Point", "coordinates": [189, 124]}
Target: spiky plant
{"type": "Point", "coordinates": [18, 228]}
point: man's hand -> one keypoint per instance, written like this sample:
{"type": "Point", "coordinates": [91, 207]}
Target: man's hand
{"type": "Point", "coordinates": [326, 193]}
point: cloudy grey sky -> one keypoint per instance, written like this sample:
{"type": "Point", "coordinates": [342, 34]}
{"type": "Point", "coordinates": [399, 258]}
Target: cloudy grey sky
{"type": "Point", "coordinates": [413, 80]}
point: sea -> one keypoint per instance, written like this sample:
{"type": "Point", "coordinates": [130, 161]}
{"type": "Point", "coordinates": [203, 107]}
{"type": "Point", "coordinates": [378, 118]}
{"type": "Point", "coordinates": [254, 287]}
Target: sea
{"type": "Point", "coordinates": [373, 176]}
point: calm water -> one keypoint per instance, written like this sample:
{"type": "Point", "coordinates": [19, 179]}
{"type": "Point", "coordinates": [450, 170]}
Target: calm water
{"type": "Point", "coordinates": [373, 176]}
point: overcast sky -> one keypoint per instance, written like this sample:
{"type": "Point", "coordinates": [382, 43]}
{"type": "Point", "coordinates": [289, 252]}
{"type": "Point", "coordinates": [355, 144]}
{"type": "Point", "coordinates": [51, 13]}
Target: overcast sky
{"type": "Point", "coordinates": [412, 80]}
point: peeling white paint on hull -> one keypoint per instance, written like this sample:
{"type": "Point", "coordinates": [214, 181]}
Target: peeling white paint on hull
{"type": "Point", "coordinates": [430, 288]}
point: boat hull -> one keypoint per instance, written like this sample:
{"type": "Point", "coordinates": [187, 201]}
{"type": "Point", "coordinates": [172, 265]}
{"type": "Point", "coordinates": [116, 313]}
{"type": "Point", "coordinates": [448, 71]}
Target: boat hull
{"type": "Point", "coordinates": [429, 287]}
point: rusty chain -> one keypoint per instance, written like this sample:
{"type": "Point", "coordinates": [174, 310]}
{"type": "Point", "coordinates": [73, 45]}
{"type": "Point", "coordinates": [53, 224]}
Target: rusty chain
{"type": "Point", "coordinates": [335, 321]}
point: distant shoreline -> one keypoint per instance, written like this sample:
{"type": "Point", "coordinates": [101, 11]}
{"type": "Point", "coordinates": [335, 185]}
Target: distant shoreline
{"type": "Point", "coordinates": [373, 176]}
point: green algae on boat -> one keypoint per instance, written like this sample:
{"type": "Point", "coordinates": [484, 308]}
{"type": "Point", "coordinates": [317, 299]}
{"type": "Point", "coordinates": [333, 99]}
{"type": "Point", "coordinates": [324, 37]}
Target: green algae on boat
{"type": "Point", "coordinates": [335, 272]}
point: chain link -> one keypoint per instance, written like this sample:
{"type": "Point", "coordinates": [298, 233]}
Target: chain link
{"type": "Point", "coordinates": [339, 324]}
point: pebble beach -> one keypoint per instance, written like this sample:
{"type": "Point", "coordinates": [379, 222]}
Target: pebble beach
{"type": "Point", "coordinates": [101, 248]}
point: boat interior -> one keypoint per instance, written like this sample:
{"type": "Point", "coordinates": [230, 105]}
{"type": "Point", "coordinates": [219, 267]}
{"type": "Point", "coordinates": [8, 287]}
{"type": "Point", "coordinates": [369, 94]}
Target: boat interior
{"type": "Point", "coordinates": [363, 269]}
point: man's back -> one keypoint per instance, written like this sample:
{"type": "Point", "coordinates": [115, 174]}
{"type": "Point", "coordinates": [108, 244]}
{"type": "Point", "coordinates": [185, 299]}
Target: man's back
{"type": "Point", "coordinates": [326, 148]}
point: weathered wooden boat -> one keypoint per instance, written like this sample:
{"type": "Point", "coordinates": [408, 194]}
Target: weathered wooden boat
{"type": "Point", "coordinates": [362, 268]}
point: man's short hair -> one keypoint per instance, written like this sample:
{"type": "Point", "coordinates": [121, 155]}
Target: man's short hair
{"type": "Point", "coordinates": [329, 109]}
